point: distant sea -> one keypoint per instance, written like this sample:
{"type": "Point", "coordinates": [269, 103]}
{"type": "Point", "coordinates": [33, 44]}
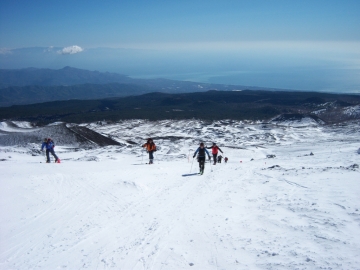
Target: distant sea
{"type": "Point", "coordinates": [324, 80]}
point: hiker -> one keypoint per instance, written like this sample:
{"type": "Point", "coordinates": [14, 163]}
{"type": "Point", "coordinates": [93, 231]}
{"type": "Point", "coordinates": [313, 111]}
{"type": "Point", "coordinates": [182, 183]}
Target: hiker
{"type": "Point", "coordinates": [150, 148]}
{"type": "Point", "coordinates": [226, 159]}
{"type": "Point", "coordinates": [215, 150]}
{"type": "Point", "coordinates": [219, 159]}
{"type": "Point", "coordinates": [201, 157]}
{"type": "Point", "coordinates": [49, 145]}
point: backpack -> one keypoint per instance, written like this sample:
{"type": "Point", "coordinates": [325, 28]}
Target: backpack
{"type": "Point", "coordinates": [51, 142]}
{"type": "Point", "coordinates": [201, 152]}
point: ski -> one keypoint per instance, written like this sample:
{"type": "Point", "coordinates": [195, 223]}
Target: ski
{"type": "Point", "coordinates": [190, 174]}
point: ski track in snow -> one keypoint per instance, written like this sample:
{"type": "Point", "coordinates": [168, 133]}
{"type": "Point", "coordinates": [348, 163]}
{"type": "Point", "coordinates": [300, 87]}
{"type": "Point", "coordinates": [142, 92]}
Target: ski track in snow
{"type": "Point", "coordinates": [99, 210]}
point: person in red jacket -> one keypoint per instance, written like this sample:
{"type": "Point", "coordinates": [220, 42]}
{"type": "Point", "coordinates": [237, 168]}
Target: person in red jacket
{"type": "Point", "coordinates": [215, 150]}
{"type": "Point", "coordinates": [150, 148]}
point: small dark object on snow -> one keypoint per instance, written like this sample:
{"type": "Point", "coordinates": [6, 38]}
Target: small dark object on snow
{"type": "Point", "coordinates": [252, 159]}
{"type": "Point", "coordinates": [354, 166]}
{"type": "Point", "coordinates": [311, 154]}
{"type": "Point", "coordinates": [275, 166]}
{"type": "Point", "coordinates": [191, 264]}
{"type": "Point", "coordinates": [270, 156]}
{"type": "Point", "coordinates": [226, 159]}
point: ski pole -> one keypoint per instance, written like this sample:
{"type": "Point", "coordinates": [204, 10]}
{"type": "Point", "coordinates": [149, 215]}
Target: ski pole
{"type": "Point", "coordinates": [191, 165]}
{"type": "Point", "coordinates": [210, 165]}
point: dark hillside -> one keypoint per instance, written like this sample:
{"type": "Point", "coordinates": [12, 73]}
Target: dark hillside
{"type": "Point", "coordinates": [211, 105]}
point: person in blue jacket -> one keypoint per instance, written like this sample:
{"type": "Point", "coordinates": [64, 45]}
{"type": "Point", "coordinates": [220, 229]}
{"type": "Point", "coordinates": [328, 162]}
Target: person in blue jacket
{"type": "Point", "coordinates": [49, 145]}
{"type": "Point", "coordinates": [201, 157]}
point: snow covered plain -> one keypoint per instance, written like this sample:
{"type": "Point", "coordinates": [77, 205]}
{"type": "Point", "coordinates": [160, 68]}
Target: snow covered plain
{"type": "Point", "coordinates": [103, 208]}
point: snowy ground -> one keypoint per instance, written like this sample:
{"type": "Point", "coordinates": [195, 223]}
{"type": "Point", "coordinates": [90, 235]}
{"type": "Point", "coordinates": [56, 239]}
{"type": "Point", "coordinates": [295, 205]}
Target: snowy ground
{"type": "Point", "coordinates": [104, 208]}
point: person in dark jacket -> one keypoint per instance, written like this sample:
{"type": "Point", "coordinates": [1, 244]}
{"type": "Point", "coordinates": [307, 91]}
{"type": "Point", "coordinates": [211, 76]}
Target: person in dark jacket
{"type": "Point", "coordinates": [150, 148]}
{"type": "Point", "coordinates": [215, 150]}
{"type": "Point", "coordinates": [201, 157]}
{"type": "Point", "coordinates": [49, 145]}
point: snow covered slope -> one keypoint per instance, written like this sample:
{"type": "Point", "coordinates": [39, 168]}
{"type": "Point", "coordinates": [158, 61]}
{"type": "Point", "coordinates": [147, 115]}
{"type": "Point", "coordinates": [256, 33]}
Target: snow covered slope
{"type": "Point", "coordinates": [352, 111]}
{"type": "Point", "coordinates": [297, 120]}
{"type": "Point", "coordinates": [103, 207]}
{"type": "Point", "coordinates": [23, 133]}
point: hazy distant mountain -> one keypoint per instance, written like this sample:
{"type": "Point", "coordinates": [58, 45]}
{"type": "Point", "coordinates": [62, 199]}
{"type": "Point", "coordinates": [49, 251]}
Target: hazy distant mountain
{"type": "Point", "coordinates": [17, 95]}
{"type": "Point", "coordinates": [64, 76]}
{"type": "Point", "coordinates": [73, 76]}
{"type": "Point", "coordinates": [33, 85]}
{"type": "Point", "coordinates": [251, 67]}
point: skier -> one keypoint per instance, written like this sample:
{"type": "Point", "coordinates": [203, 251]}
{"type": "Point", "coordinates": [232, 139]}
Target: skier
{"type": "Point", "coordinates": [201, 157]}
{"type": "Point", "coordinates": [219, 159]}
{"type": "Point", "coordinates": [215, 150]}
{"type": "Point", "coordinates": [49, 145]}
{"type": "Point", "coordinates": [150, 148]}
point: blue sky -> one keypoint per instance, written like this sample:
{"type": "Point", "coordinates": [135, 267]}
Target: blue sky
{"type": "Point", "coordinates": [144, 23]}
{"type": "Point", "coordinates": [176, 38]}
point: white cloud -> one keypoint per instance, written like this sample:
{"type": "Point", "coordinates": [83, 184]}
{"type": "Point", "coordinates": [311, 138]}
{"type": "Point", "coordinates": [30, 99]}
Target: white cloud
{"type": "Point", "coordinates": [70, 50]}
